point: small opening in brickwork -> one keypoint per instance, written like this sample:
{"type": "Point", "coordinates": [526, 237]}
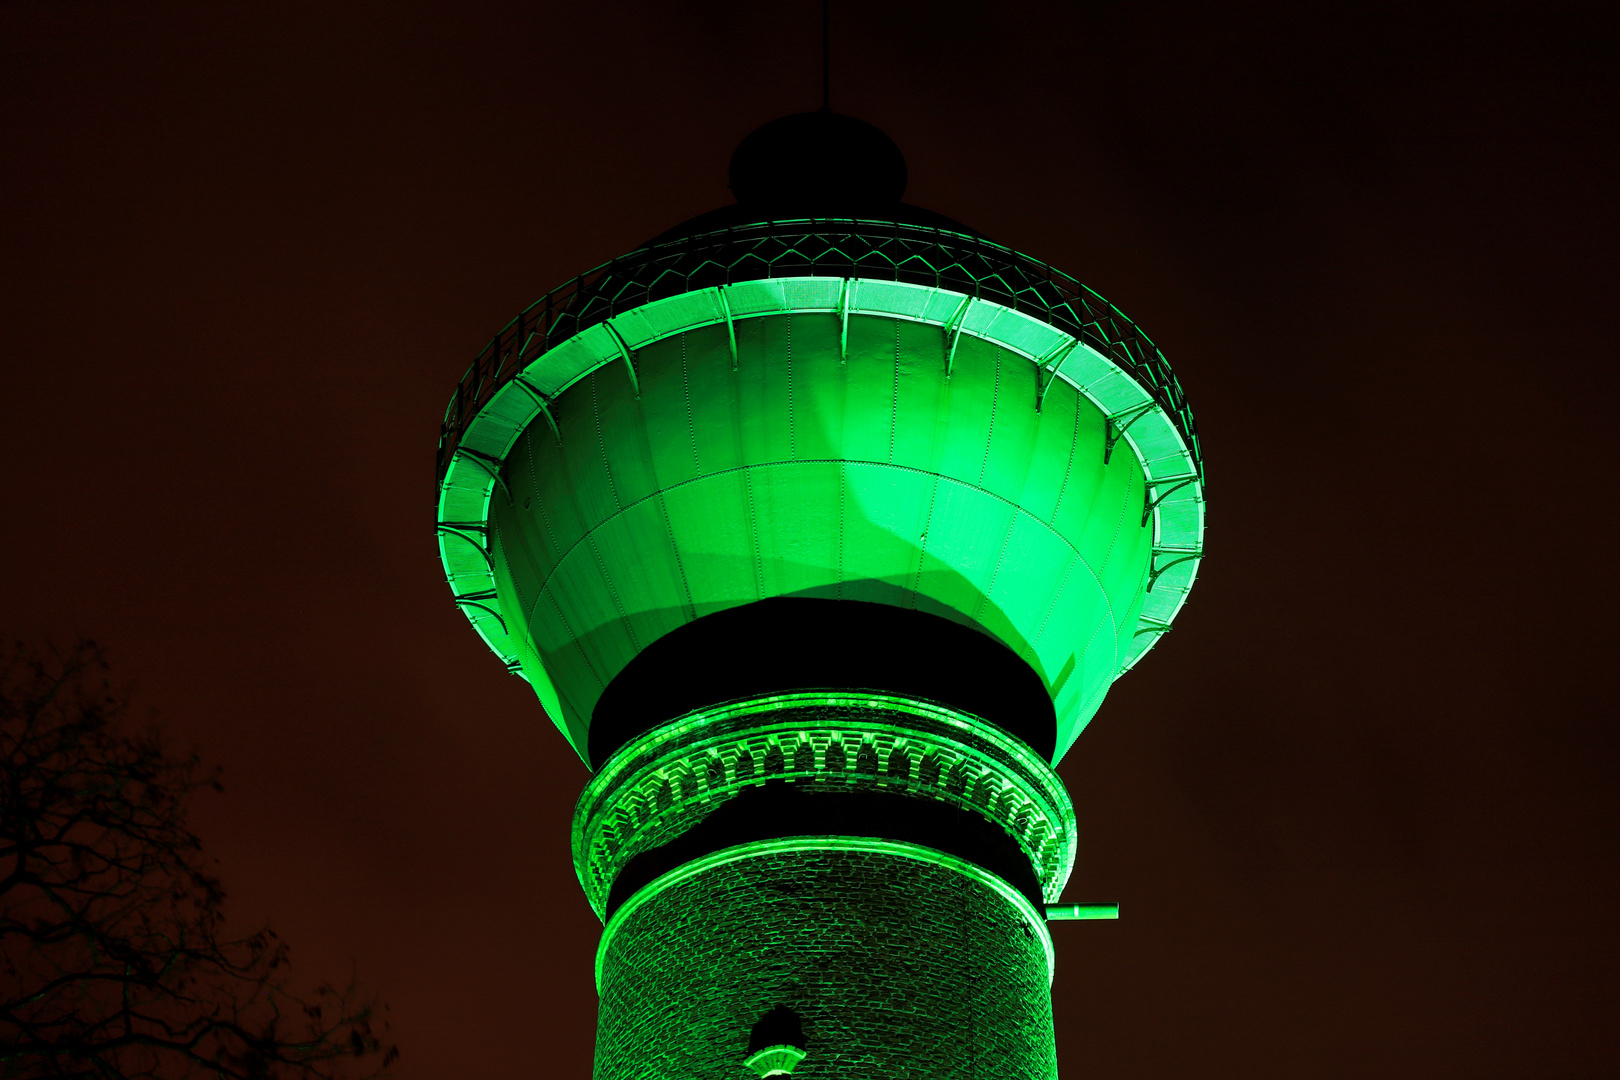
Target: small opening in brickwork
{"type": "Point", "coordinates": [779, 1027]}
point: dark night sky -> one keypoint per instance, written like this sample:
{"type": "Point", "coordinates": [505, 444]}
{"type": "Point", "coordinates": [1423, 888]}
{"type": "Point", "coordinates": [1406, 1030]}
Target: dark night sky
{"type": "Point", "coordinates": [1359, 808]}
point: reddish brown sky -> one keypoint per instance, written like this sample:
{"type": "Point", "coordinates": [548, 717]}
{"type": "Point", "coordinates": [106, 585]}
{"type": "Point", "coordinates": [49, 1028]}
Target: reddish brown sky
{"type": "Point", "coordinates": [1359, 807]}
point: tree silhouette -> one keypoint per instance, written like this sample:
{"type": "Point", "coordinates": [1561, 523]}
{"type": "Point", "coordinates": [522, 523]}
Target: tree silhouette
{"type": "Point", "coordinates": [113, 961]}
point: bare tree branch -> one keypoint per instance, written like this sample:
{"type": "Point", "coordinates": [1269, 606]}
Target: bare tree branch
{"type": "Point", "coordinates": [112, 959]}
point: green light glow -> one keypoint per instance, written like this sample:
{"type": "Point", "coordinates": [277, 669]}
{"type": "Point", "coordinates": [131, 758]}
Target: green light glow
{"type": "Point", "coordinates": [775, 1060]}
{"type": "Point", "coordinates": [753, 456]}
{"type": "Point", "coordinates": [1032, 919]}
{"type": "Point", "coordinates": [663, 783]}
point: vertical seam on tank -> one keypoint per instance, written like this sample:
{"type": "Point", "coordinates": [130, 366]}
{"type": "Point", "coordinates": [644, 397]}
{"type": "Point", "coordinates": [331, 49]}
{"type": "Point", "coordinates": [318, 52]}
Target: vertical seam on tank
{"type": "Point", "coordinates": [596, 551]}
{"type": "Point", "coordinates": [1068, 468]}
{"type": "Point", "coordinates": [1124, 503]}
{"type": "Point", "coordinates": [534, 476]}
{"type": "Point", "coordinates": [675, 548]}
{"type": "Point", "coordinates": [894, 394]}
{"type": "Point", "coordinates": [596, 409]}
{"type": "Point", "coordinates": [922, 541]}
{"type": "Point", "coordinates": [753, 536]}
{"type": "Point", "coordinates": [530, 607]}
{"type": "Point", "coordinates": [990, 587]}
{"type": "Point", "coordinates": [495, 533]}
{"type": "Point", "coordinates": [984, 466]}
{"type": "Point", "coordinates": [792, 434]}
{"type": "Point", "coordinates": [990, 428]}
{"type": "Point", "coordinates": [691, 421]}
{"type": "Point", "coordinates": [613, 590]}
{"type": "Point", "coordinates": [1051, 605]}
{"type": "Point", "coordinates": [690, 608]}
{"type": "Point", "coordinates": [942, 414]}
{"type": "Point", "coordinates": [1114, 637]}
{"type": "Point", "coordinates": [545, 517]}
{"type": "Point", "coordinates": [1102, 564]}
{"type": "Point", "coordinates": [839, 589]}
{"type": "Point", "coordinates": [587, 529]}
{"type": "Point", "coordinates": [573, 638]}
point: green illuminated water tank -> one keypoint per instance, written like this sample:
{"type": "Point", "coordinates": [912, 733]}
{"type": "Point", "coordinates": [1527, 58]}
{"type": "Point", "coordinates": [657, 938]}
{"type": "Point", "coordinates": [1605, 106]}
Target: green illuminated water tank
{"type": "Point", "coordinates": [820, 526]}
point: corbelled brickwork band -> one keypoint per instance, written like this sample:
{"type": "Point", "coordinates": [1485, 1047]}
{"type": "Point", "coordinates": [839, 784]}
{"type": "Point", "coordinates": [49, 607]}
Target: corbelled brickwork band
{"type": "Point", "coordinates": [899, 962]}
{"type": "Point", "coordinates": [672, 778]}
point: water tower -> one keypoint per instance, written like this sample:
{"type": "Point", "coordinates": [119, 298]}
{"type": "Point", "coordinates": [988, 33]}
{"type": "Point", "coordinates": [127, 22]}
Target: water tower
{"type": "Point", "coordinates": [820, 526]}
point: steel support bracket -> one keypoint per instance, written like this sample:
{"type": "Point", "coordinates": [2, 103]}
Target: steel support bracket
{"type": "Point", "coordinates": [544, 403]}
{"type": "Point", "coordinates": [1155, 571]}
{"type": "Point", "coordinates": [843, 319]}
{"type": "Point", "coordinates": [467, 533]}
{"type": "Point", "coordinates": [1176, 484]}
{"type": "Point", "coordinates": [463, 601]}
{"type": "Point", "coordinates": [1114, 430]}
{"type": "Point", "coordinates": [624, 351]}
{"type": "Point", "coordinates": [1047, 371]}
{"type": "Point", "coordinates": [953, 333]}
{"type": "Point", "coordinates": [731, 326]}
{"type": "Point", "coordinates": [489, 465]}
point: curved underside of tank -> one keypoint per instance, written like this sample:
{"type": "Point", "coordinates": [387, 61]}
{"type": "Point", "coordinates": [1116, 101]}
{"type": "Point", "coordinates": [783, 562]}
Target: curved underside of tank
{"type": "Point", "coordinates": [809, 454]}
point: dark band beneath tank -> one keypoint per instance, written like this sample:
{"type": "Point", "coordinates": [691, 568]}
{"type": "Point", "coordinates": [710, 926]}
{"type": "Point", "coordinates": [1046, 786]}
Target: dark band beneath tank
{"type": "Point", "coordinates": [799, 643]}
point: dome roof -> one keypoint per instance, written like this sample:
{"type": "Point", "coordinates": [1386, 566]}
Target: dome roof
{"type": "Point", "coordinates": [816, 160]}
{"type": "Point", "coordinates": [815, 165]}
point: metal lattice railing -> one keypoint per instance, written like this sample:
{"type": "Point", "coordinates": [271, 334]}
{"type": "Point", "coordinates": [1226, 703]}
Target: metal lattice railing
{"type": "Point", "coordinates": [821, 248]}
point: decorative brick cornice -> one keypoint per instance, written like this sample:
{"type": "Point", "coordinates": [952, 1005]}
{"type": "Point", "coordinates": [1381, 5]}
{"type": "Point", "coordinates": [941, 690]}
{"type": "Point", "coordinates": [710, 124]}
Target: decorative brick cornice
{"type": "Point", "coordinates": [670, 779]}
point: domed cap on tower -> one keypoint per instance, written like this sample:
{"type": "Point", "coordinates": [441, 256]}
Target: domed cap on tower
{"type": "Point", "coordinates": [818, 160]}
{"type": "Point", "coordinates": [815, 165]}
